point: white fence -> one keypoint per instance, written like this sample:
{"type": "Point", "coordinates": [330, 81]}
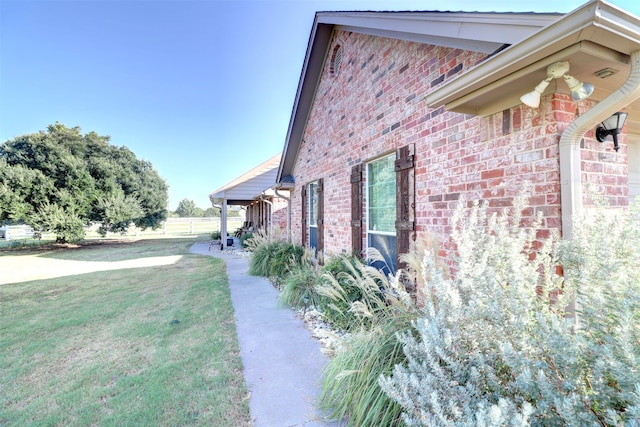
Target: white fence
{"type": "Point", "coordinates": [172, 226]}
{"type": "Point", "coordinates": [14, 232]}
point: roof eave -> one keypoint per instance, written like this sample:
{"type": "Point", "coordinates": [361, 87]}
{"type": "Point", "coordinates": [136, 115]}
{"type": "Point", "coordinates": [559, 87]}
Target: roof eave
{"type": "Point", "coordinates": [595, 30]}
{"type": "Point", "coordinates": [465, 29]}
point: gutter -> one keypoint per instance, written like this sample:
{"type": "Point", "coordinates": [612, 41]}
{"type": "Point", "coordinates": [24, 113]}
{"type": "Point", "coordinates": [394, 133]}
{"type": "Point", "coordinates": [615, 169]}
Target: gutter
{"type": "Point", "coordinates": [569, 147]}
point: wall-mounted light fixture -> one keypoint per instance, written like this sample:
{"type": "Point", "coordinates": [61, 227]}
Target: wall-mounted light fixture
{"type": "Point", "coordinates": [611, 126]}
{"type": "Point", "coordinates": [579, 90]}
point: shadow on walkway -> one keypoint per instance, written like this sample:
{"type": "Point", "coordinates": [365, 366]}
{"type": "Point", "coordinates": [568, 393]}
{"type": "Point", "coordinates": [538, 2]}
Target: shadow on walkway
{"type": "Point", "coordinates": [282, 362]}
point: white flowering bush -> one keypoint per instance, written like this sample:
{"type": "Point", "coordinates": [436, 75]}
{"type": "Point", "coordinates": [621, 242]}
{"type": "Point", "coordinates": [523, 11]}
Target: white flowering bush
{"type": "Point", "coordinates": [498, 342]}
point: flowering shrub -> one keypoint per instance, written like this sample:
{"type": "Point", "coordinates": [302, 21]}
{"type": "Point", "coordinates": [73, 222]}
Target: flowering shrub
{"type": "Point", "coordinates": [496, 345]}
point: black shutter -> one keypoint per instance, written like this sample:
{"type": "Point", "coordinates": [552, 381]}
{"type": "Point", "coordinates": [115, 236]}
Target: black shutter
{"type": "Point", "coordinates": [356, 210]}
{"type": "Point", "coordinates": [405, 201]}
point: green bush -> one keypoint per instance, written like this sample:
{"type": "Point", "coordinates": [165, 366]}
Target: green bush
{"type": "Point", "coordinates": [261, 258]}
{"type": "Point", "coordinates": [274, 258]}
{"type": "Point", "coordinates": [244, 238]}
{"type": "Point", "coordinates": [215, 235]}
{"type": "Point", "coordinates": [286, 256]}
{"type": "Point", "coordinates": [341, 286]}
{"type": "Point", "coordinates": [494, 344]}
{"type": "Point", "coordinates": [299, 287]}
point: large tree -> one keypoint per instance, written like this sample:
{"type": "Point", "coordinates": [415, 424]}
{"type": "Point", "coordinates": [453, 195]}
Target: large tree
{"type": "Point", "coordinates": [61, 181]}
{"type": "Point", "coordinates": [187, 208]}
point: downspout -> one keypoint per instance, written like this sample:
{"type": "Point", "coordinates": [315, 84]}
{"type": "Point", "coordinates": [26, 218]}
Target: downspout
{"type": "Point", "coordinates": [569, 147]}
{"type": "Point", "coordinates": [270, 212]}
{"type": "Point", "coordinates": [288, 199]}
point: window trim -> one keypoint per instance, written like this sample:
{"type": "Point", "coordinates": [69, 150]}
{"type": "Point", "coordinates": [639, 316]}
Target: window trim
{"type": "Point", "coordinates": [367, 198]}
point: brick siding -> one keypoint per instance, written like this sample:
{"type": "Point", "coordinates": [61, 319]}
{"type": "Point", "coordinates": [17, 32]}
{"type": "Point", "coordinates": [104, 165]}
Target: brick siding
{"type": "Point", "coordinates": [375, 104]}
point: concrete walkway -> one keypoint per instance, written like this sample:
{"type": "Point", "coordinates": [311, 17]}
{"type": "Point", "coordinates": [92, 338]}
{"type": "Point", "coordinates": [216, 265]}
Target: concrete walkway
{"type": "Point", "coordinates": [282, 362]}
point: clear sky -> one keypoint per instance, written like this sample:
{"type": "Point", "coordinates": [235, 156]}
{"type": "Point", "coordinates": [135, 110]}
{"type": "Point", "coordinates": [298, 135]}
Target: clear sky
{"type": "Point", "coordinates": [202, 89]}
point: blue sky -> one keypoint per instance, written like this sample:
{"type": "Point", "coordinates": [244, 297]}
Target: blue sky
{"type": "Point", "coordinates": [202, 89]}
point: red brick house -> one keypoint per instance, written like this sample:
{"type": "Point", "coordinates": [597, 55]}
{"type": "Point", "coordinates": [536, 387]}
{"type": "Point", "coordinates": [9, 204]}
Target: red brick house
{"type": "Point", "coordinates": [399, 114]}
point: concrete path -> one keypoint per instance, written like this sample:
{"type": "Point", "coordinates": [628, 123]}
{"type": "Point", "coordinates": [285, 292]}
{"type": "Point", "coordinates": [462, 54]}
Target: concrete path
{"type": "Point", "coordinates": [282, 362]}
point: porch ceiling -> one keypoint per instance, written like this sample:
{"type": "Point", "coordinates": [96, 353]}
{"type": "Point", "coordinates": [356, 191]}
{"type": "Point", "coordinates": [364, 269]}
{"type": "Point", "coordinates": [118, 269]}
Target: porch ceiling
{"type": "Point", "coordinates": [246, 188]}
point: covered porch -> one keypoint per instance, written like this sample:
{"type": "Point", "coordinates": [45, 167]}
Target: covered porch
{"type": "Point", "coordinates": [254, 192]}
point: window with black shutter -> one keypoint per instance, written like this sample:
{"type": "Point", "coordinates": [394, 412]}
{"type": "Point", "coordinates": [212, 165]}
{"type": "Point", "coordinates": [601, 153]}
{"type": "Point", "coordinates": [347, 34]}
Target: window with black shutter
{"type": "Point", "coordinates": [356, 210]}
{"type": "Point", "coordinates": [313, 215]}
{"type": "Point", "coordinates": [381, 211]}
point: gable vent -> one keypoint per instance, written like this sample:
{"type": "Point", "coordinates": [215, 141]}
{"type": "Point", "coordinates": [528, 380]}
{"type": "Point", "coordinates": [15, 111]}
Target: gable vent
{"type": "Point", "coordinates": [336, 60]}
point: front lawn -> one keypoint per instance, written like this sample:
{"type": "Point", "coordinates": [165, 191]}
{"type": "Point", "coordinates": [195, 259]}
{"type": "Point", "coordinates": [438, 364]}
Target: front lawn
{"type": "Point", "coordinates": [149, 339]}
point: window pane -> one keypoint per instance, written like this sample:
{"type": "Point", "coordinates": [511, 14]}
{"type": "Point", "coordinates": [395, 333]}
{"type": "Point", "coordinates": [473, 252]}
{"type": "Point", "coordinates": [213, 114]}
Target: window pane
{"type": "Point", "coordinates": [386, 245]}
{"type": "Point", "coordinates": [381, 201]}
{"type": "Point", "coordinates": [313, 204]}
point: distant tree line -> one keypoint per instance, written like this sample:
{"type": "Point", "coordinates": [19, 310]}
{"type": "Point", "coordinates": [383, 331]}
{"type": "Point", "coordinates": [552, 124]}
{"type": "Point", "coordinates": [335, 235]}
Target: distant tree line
{"type": "Point", "coordinates": [187, 209]}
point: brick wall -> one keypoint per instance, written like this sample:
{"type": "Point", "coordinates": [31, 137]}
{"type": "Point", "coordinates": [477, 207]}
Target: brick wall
{"type": "Point", "coordinates": [375, 104]}
{"type": "Point", "coordinates": [279, 213]}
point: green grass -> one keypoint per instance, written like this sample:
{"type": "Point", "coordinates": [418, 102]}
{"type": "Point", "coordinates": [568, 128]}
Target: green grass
{"type": "Point", "coordinates": [101, 348]}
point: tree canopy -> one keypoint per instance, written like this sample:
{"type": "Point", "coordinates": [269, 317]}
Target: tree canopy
{"type": "Point", "coordinates": [61, 181]}
{"type": "Point", "coordinates": [188, 208]}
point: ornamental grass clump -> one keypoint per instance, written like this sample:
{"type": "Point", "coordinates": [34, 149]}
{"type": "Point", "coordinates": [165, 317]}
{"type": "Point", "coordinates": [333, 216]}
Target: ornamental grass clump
{"type": "Point", "coordinates": [338, 288]}
{"type": "Point", "coordinates": [272, 257]}
{"type": "Point", "coordinates": [496, 345]}
{"type": "Point", "coordinates": [300, 285]}
{"type": "Point", "coordinates": [350, 389]}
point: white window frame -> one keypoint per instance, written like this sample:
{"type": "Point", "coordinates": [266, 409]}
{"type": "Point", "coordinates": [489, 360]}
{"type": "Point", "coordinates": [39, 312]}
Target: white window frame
{"type": "Point", "coordinates": [367, 195]}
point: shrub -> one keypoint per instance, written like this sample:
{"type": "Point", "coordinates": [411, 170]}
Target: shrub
{"type": "Point", "coordinates": [299, 287]}
{"type": "Point", "coordinates": [494, 345]}
{"type": "Point", "coordinates": [274, 258]}
{"type": "Point", "coordinates": [339, 288]}
{"type": "Point", "coordinates": [215, 235]}
{"type": "Point", "coordinates": [244, 238]}
{"type": "Point", "coordinates": [285, 257]}
{"type": "Point", "coordinates": [261, 258]}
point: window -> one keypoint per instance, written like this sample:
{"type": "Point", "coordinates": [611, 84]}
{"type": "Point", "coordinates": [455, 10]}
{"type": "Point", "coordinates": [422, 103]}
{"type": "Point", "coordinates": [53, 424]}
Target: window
{"type": "Point", "coordinates": [381, 210]}
{"type": "Point", "coordinates": [313, 215]}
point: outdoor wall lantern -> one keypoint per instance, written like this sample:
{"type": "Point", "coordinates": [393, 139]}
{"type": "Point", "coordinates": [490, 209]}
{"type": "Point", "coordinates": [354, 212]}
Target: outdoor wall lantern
{"type": "Point", "coordinates": [611, 126]}
{"type": "Point", "coordinates": [578, 89]}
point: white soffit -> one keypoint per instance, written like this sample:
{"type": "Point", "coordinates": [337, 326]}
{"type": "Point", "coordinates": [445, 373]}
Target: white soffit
{"type": "Point", "coordinates": [250, 184]}
{"type": "Point", "coordinates": [480, 32]}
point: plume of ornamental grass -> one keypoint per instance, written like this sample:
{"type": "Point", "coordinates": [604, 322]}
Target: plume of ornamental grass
{"type": "Point", "coordinates": [258, 238]}
{"type": "Point", "coordinates": [350, 389]}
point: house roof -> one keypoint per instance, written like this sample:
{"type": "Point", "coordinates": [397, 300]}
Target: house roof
{"type": "Point", "coordinates": [247, 187]}
{"type": "Point", "coordinates": [520, 47]}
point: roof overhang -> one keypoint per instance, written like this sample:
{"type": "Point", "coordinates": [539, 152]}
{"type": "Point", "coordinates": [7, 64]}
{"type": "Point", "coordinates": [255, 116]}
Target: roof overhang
{"type": "Point", "coordinates": [593, 37]}
{"type": "Point", "coordinates": [249, 186]}
{"type": "Point", "coordinates": [480, 32]}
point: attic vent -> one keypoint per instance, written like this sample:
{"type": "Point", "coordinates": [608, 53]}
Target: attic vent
{"type": "Point", "coordinates": [336, 60]}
